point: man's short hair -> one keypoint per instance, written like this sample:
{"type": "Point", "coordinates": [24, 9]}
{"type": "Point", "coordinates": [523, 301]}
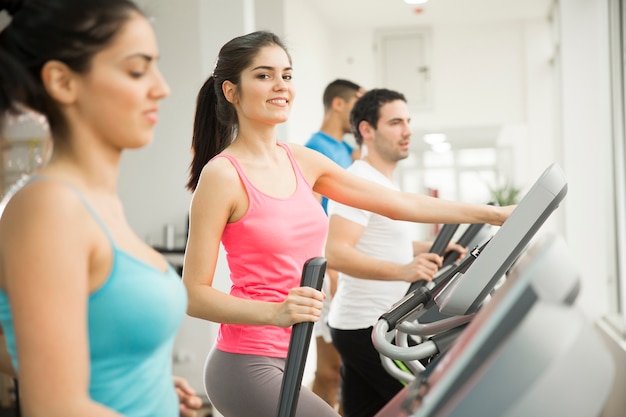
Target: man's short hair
{"type": "Point", "coordinates": [367, 108]}
{"type": "Point", "coordinates": [339, 88]}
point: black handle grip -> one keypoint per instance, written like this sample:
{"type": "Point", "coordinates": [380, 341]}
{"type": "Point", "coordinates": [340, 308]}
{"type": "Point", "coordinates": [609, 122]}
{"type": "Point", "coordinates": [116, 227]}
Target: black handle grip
{"type": "Point", "coordinates": [443, 238]}
{"type": "Point", "coordinates": [466, 238]}
{"type": "Point", "coordinates": [469, 234]}
{"type": "Point", "coordinates": [439, 246]}
{"type": "Point", "coordinates": [405, 306]}
{"type": "Point", "coordinates": [312, 276]}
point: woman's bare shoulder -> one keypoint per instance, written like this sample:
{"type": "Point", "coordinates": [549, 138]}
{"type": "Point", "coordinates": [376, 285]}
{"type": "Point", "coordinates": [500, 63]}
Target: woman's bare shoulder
{"type": "Point", "coordinates": [219, 169]}
{"type": "Point", "coordinates": [41, 211]}
{"type": "Point", "coordinates": [41, 197]}
{"type": "Point", "coordinates": [219, 183]}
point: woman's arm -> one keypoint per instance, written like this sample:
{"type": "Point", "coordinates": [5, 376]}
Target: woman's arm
{"type": "Point", "coordinates": [218, 199]}
{"type": "Point", "coordinates": [46, 246]}
{"type": "Point", "coordinates": [330, 180]}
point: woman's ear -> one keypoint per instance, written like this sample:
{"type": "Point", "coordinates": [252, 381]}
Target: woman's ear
{"type": "Point", "coordinates": [230, 91]}
{"type": "Point", "coordinates": [58, 80]}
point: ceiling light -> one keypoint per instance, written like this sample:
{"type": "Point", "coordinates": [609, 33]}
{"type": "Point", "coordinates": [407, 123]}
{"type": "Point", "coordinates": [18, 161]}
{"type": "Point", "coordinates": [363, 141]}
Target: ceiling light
{"type": "Point", "coordinates": [415, 1]}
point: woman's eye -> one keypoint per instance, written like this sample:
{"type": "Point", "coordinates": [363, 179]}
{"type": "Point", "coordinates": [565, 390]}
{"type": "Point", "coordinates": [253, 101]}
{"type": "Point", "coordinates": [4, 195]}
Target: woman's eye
{"type": "Point", "coordinates": [287, 77]}
{"type": "Point", "coordinates": [136, 74]}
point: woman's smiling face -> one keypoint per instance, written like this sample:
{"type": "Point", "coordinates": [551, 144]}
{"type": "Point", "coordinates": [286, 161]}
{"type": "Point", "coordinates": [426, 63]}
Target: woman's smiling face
{"type": "Point", "coordinates": [265, 93]}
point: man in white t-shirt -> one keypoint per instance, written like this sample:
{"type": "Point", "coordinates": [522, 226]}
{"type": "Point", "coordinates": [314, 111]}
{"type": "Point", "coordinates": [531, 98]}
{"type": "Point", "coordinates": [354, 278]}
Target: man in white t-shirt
{"type": "Point", "coordinates": [376, 257]}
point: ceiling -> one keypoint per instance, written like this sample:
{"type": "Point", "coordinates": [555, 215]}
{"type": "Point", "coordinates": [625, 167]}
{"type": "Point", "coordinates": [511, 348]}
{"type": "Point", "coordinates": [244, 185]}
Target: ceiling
{"type": "Point", "coordinates": [350, 14]}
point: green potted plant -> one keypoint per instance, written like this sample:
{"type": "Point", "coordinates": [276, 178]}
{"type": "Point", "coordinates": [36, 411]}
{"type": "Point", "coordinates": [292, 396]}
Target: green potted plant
{"type": "Point", "coordinates": [505, 193]}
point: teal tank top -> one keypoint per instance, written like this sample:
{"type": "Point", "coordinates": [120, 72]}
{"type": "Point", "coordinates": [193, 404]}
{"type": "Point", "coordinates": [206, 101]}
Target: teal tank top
{"type": "Point", "coordinates": [133, 319]}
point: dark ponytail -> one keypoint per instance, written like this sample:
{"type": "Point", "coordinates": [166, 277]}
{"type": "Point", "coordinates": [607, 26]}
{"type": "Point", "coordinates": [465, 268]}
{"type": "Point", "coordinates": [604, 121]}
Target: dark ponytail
{"type": "Point", "coordinates": [210, 135]}
{"type": "Point", "coordinates": [216, 120]}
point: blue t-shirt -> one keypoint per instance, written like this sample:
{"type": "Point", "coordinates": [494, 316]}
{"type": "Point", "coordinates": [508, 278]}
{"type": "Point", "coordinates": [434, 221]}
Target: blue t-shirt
{"type": "Point", "coordinates": [340, 152]}
{"type": "Point", "coordinates": [133, 319]}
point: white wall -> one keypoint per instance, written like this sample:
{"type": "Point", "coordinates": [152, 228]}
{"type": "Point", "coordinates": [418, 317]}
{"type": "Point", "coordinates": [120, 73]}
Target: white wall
{"type": "Point", "coordinates": [477, 75]}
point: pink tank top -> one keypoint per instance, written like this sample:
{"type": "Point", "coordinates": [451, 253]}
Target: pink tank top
{"type": "Point", "coordinates": [266, 250]}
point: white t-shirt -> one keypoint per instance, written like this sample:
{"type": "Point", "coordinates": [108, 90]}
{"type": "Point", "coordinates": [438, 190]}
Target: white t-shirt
{"type": "Point", "coordinates": [358, 303]}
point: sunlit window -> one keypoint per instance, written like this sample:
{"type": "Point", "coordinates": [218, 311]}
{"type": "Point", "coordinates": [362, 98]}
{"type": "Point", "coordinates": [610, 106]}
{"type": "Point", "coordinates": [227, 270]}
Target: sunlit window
{"type": "Point", "coordinates": [466, 174]}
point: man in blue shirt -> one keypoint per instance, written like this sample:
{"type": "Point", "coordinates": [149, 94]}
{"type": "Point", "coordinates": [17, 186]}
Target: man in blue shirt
{"type": "Point", "coordinates": [339, 97]}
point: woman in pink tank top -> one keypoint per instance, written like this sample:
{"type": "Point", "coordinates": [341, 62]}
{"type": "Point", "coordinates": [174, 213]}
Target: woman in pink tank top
{"type": "Point", "coordinates": [255, 196]}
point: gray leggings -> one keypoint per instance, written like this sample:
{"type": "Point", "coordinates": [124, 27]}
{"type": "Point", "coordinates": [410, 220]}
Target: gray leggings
{"type": "Point", "coordinates": [249, 386]}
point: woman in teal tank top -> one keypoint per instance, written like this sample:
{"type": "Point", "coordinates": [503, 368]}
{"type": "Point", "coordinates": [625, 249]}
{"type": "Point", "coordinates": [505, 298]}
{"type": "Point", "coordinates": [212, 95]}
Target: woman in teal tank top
{"type": "Point", "coordinates": [89, 312]}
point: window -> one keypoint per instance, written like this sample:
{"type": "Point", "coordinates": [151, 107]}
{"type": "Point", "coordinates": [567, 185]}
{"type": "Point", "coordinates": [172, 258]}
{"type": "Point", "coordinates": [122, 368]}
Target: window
{"type": "Point", "coordinates": [466, 174]}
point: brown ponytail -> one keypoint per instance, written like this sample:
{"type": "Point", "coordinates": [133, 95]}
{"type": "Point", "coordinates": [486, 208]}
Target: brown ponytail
{"type": "Point", "coordinates": [210, 135]}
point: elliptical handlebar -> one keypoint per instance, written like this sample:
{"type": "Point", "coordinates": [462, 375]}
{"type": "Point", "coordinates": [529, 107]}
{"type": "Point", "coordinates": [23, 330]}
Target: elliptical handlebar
{"type": "Point", "coordinates": [439, 247]}
{"type": "Point", "coordinates": [312, 276]}
{"type": "Point", "coordinates": [466, 238]}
